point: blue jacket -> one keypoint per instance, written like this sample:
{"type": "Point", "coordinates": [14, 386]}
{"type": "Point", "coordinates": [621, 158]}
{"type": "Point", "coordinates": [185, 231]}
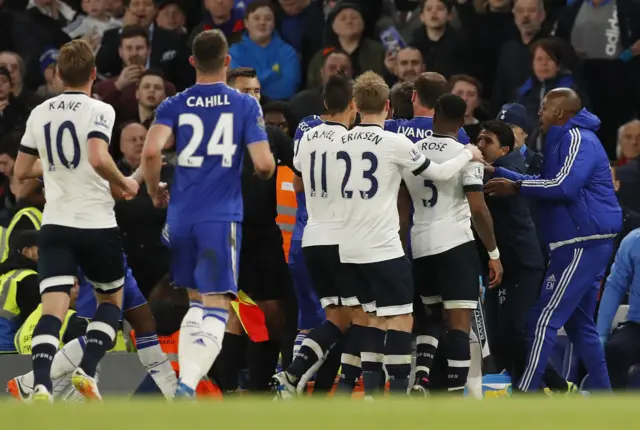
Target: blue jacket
{"type": "Point", "coordinates": [577, 201]}
{"type": "Point", "coordinates": [624, 278]}
{"type": "Point", "coordinates": [277, 65]}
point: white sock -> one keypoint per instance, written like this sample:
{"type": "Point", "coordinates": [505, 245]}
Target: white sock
{"type": "Point", "coordinates": [157, 364]}
{"type": "Point", "coordinates": [202, 350]}
{"type": "Point", "coordinates": [298, 342]}
{"type": "Point", "coordinates": [189, 329]}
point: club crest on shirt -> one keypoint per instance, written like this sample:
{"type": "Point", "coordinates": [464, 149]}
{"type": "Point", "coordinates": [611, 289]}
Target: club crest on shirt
{"type": "Point", "coordinates": [260, 121]}
{"type": "Point", "coordinates": [102, 122]}
{"type": "Point", "coordinates": [415, 154]}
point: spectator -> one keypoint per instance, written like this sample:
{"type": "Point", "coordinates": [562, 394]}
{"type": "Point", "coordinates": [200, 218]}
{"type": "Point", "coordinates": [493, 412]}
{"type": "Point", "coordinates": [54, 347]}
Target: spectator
{"type": "Point", "coordinates": [600, 31]}
{"type": "Point", "coordinates": [407, 64]}
{"type": "Point", "coordinates": [171, 16]}
{"type": "Point", "coordinates": [401, 104]}
{"type": "Point", "coordinates": [628, 142]}
{"type": "Point", "coordinates": [347, 33]}
{"type": "Point", "coordinates": [310, 101]}
{"type": "Point", "coordinates": [166, 50]}
{"type": "Point", "coordinates": [13, 113]}
{"type": "Point", "coordinates": [548, 73]}
{"type": "Point", "coordinates": [120, 91]}
{"type": "Point", "coordinates": [53, 84]}
{"type": "Point", "coordinates": [487, 30]}
{"type": "Point", "coordinates": [13, 62]}
{"type": "Point", "coordinates": [51, 13]}
{"type": "Point", "coordinates": [440, 44]}
{"type": "Point", "coordinates": [262, 49]}
{"type": "Point", "coordinates": [403, 15]}
{"type": "Point", "coordinates": [222, 15]}
{"type": "Point", "coordinates": [469, 89]}
{"type": "Point", "coordinates": [92, 26]}
{"type": "Point", "coordinates": [276, 114]}
{"type": "Point", "coordinates": [150, 93]}
{"type": "Point", "coordinates": [628, 177]}
{"type": "Point", "coordinates": [301, 25]}
{"type": "Point", "coordinates": [621, 347]}
{"type": "Point", "coordinates": [516, 116]}
{"type": "Point", "coordinates": [116, 8]}
{"type": "Point", "coordinates": [140, 222]}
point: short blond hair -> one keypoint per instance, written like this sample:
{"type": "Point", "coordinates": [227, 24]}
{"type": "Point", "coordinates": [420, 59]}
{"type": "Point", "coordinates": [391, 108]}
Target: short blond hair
{"type": "Point", "coordinates": [371, 93]}
{"type": "Point", "coordinates": [76, 63]}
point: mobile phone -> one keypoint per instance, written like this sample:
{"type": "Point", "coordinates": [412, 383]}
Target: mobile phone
{"type": "Point", "coordinates": [391, 40]}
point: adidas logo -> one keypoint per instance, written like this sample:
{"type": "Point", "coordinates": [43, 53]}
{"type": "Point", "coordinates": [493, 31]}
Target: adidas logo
{"type": "Point", "coordinates": [551, 278]}
{"type": "Point", "coordinates": [199, 342]}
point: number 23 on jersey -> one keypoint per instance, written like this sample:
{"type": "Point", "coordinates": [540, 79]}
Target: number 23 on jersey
{"type": "Point", "coordinates": [219, 143]}
{"type": "Point", "coordinates": [346, 158]}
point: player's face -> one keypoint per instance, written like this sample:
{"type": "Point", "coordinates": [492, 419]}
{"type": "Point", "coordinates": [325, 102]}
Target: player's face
{"type": "Point", "coordinates": [410, 64]}
{"type": "Point", "coordinates": [277, 119]}
{"type": "Point", "coordinates": [544, 67]}
{"type": "Point", "coordinates": [519, 135]}
{"type": "Point", "coordinates": [12, 63]}
{"type": "Point", "coordinates": [260, 24]}
{"type": "Point", "coordinates": [151, 92]}
{"type": "Point", "coordinates": [143, 10]}
{"type": "Point", "coordinates": [94, 8]}
{"type": "Point", "coordinates": [5, 87]}
{"type": "Point", "coordinates": [249, 86]}
{"type": "Point", "coordinates": [548, 113]}
{"type": "Point", "coordinates": [490, 146]}
{"type": "Point", "coordinates": [134, 50]}
{"type": "Point", "coordinates": [435, 14]}
{"type": "Point", "coordinates": [6, 165]}
{"type": "Point", "coordinates": [348, 23]}
{"type": "Point", "coordinates": [630, 140]}
{"type": "Point", "coordinates": [469, 93]}
{"type": "Point", "coordinates": [528, 16]}
{"type": "Point", "coordinates": [171, 17]}
{"type": "Point", "coordinates": [334, 64]}
{"type": "Point", "coordinates": [131, 143]}
{"type": "Point", "coordinates": [221, 8]}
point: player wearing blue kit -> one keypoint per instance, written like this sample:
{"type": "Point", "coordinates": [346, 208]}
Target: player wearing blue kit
{"type": "Point", "coordinates": [310, 312]}
{"type": "Point", "coordinates": [212, 124]}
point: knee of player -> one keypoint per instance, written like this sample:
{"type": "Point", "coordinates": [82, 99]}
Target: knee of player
{"type": "Point", "coordinates": [459, 319]}
{"type": "Point", "coordinates": [359, 316]}
{"type": "Point", "coordinates": [221, 301]}
{"type": "Point", "coordinates": [400, 322]}
{"type": "Point", "coordinates": [340, 316]}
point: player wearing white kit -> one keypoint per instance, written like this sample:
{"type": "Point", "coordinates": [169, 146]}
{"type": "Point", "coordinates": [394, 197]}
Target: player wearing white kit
{"type": "Point", "coordinates": [315, 157]}
{"type": "Point", "coordinates": [445, 259]}
{"type": "Point", "coordinates": [372, 161]}
{"type": "Point", "coordinates": [71, 134]}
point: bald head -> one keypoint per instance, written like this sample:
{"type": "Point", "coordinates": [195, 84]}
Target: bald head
{"type": "Point", "coordinates": [558, 107]}
{"type": "Point", "coordinates": [566, 99]}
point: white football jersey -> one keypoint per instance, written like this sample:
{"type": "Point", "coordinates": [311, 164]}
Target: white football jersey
{"type": "Point", "coordinates": [373, 160]}
{"type": "Point", "coordinates": [442, 218]}
{"type": "Point", "coordinates": [316, 159]}
{"type": "Point", "coordinates": [58, 131]}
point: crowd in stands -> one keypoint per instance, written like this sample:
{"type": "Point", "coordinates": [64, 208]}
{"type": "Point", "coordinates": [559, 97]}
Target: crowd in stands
{"type": "Point", "coordinates": [493, 52]}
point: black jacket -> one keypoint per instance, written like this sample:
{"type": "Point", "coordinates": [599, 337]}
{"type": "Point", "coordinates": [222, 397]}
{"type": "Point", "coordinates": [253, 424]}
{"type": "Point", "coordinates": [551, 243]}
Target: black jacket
{"type": "Point", "coordinates": [28, 293]}
{"type": "Point", "coordinates": [446, 56]}
{"type": "Point", "coordinates": [259, 197]}
{"type": "Point", "coordinates": [515, 232]}
{"type": "Point", "coordinates": [168, 54]}
{"type": "Point", "coordinates": [629, 192]}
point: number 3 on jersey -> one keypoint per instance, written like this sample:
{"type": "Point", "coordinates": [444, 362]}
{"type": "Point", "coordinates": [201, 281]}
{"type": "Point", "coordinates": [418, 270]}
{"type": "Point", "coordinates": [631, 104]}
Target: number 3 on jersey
{"type": "Point", "coordinates": [220, 142]}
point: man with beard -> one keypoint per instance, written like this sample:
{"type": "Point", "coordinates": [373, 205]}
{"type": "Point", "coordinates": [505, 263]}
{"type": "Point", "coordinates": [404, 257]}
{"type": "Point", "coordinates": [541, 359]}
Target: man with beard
{"type": "Point", "coordinates": [408, 65]}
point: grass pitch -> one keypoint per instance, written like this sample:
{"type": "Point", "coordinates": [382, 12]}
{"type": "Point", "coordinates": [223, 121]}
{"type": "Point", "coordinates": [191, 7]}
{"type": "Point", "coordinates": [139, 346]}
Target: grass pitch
{"type": "Point", "coordinates": [535, 413]}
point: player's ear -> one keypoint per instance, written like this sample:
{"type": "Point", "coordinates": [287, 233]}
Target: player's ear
{"type": "Point", "coordinates": [414, 96]}
{"type": "Point", "coordinates": [227, 60]}
{"type": "Point", "coordinates": [192, 61]}
{"type": "Point", "coordinates": [94, 74]}
{"type": "Point", "coordinates": [387, 106]}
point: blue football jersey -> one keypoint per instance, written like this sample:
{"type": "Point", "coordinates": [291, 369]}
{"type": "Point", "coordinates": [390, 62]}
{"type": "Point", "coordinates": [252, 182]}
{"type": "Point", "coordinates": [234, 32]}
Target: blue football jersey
{"type": "Point", "coordinates": [418, 128]}
{"type": "Point", "coordinates": [212, 124]}
{"type": "Point", "coordinates": [307, 123]}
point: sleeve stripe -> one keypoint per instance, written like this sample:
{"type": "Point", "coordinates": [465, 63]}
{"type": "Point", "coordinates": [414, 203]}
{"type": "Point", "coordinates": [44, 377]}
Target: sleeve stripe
{"type": "Point", "coordinates": [27, 150]}
{"type": "Point", "coordinates": [422, 168]}
{"type": "Point", "coordinates": [576, 139]}
{"type": "Point", "coordinates": [472, 188]}
{"type": "Point", "coordinates": [98, 135]}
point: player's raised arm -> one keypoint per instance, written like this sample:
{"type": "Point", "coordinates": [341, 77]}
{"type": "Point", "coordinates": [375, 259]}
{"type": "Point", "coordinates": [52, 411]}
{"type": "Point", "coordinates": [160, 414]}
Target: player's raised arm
{"type": "Point", "coordinates": [255, 138]}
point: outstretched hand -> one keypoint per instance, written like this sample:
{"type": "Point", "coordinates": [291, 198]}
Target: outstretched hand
{"type": "Point", "coordinates": [500, 187]}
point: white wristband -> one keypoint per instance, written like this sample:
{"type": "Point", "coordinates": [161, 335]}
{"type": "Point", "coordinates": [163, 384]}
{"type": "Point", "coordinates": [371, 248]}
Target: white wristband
{"type": "Point", "coordinates": [494, 255]}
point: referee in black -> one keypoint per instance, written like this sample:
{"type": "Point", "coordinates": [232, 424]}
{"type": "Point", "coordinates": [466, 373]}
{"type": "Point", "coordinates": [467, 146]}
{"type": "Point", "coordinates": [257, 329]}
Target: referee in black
{"type": "Point", "coordinates": [264, 274]}
{"type": "Point", "coordinates": [509, 304]}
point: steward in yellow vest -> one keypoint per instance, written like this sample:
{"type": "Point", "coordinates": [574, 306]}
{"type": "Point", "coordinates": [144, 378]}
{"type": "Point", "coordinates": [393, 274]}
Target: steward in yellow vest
{"type": "Point", "coordinates": [27, 218]}
{"type": "Point", "coordinates": [19, 286]}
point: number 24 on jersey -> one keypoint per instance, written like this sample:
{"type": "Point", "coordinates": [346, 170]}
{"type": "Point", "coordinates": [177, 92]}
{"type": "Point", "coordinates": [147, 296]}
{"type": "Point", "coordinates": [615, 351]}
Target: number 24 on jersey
{"type": "Point", "coordinates": [220, 142]}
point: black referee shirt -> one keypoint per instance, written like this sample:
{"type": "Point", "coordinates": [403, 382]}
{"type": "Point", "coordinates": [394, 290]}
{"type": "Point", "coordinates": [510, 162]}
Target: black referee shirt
{"type": "Point", "coordinates": [260, 203]}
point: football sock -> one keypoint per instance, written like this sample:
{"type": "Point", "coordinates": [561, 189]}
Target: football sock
{"type": "Point", "coordinates": [326, 375]}
{"type": "Point", "coordinates": [262, 360]}
{"type": "Point", "coordinates": [189, 329]}
{"type": "Point", "coordinates": [226, 369]}
{"type": "Point", "coordinates": [397, 360]}
{"type": "Point", "coordinates": [156, 363]}
{"type": "Point", "coordinates": [429, 336]}
{"type": "Point", "coordinates": [372, 357]}
{"type": "Point", "coordinates": [101, 333]}
{"type": "Point", "coordinates": [458, 356]}
{"type": "Point", "coordinates": [44, 344]}
{"type": "Point", "coordinates": [298, 342]}
{"type": "Point", "coordinates": [350, 361]}
{"type": "Point", "coordinates": [203, 348]}
{"type": "Point", "coordinates": [312, 352]}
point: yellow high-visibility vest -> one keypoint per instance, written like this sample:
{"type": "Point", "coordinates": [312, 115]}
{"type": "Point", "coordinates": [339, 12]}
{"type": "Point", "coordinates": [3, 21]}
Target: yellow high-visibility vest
{"type": "Point", "coordinates": [24, 335]}
{"type": "Point", "coordinates": [34, 215]}
{"type": "Point", "coordinates": [9, 310]}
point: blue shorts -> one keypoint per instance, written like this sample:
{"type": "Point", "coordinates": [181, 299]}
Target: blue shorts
{"type": "Point", "coordinates": [86, 302]}
{"type": "Point", "coordinates": [310, 312]}
{"type": "Point", "coordinates": [205, 256]}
